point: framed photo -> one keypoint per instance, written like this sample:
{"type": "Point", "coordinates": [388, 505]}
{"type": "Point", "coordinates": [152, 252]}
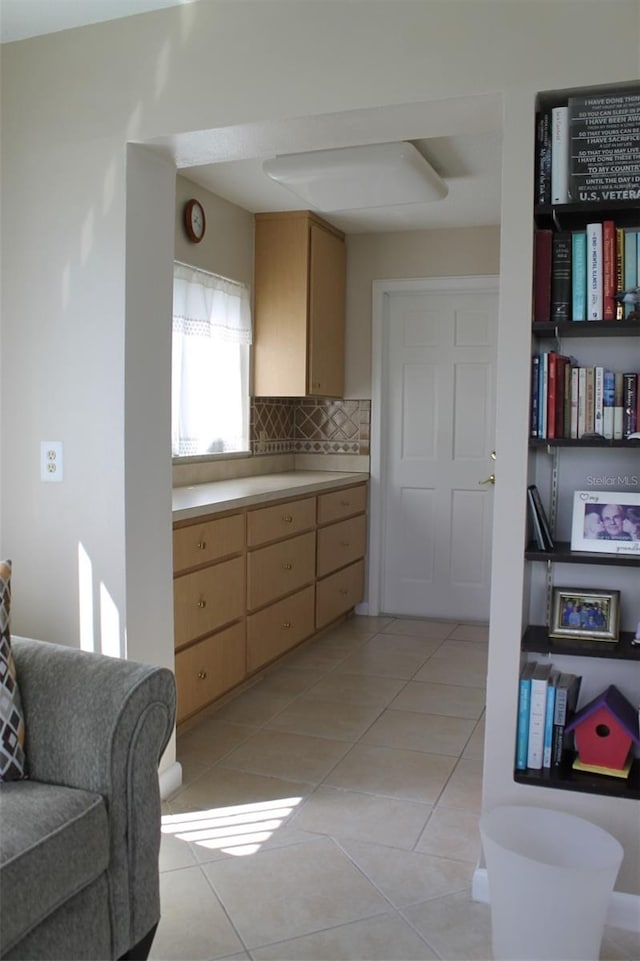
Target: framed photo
{"type": "Point", "coordinates": [606, 522]}
{"type": "Point", "coordinates": [590, 615]}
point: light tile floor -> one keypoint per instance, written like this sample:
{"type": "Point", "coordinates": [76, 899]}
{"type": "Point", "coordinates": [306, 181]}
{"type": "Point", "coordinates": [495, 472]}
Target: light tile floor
{"type": "Point", "coordinates": [329, 809]}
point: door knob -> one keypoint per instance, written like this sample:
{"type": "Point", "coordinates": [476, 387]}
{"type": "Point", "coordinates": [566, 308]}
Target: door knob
{"type": "Point", "coordinates": [491, 479]}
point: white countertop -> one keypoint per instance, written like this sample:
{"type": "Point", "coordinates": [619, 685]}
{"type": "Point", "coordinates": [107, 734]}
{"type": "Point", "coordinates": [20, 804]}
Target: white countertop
{"type": "Point", "coordinates": [218, 496]}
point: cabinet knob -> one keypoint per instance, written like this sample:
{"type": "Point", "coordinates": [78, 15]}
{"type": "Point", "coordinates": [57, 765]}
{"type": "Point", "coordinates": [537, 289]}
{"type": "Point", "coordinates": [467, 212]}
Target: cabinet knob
{"type": "Point", "coordinates": [343, 590]}
{"type": "Point", "coordinates": [345, 503]}
{"type": "Point", "coordinates": [344, 543]}
{"type": "Point", "coordinates": [286, 625]}
{"type": "Point", "coordinates": [202, 545]}
{"type": "Point", "coordinates": [287, 567]}
{"type": "Point", "coordinates": [287, 518]}
{"type": "Point", "coordinates": [202, 602]}
{"type": "Point", "coordinates": [201, 675]}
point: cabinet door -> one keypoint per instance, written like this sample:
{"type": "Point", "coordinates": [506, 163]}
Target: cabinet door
{"type": "Point", "coordinates": [341, 544]}
{"type": "Point", "coordinates": [327, 273]}
{"type": "Point", "coordinates": [338, 593]}
{"type": "Point", "coordinates": [207, 670]}
{"type": "Point", "coordinates": [276, 629]}
{"type": "Point", "coordinates": [280, 569]}
{"type": "Point", "coordinates": [281, 301]}
{"type": "Point", "coordinates": [208, 599]}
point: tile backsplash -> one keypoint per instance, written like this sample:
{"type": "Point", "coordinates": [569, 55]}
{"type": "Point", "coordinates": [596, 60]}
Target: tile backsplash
{"type": "Point", "coordinates": [306, 425]}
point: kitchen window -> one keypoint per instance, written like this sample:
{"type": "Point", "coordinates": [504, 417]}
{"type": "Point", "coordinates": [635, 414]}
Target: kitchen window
{"type": "Point", "coordinates": [210, 364]}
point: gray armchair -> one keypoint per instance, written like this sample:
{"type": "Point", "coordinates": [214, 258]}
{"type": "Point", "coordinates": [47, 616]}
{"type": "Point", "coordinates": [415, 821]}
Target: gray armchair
{"type": "Point", "coordinates": [79, 839]}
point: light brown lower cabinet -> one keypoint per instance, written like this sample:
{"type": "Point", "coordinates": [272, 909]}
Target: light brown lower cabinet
{"type": "Point", "coordinates": [299, 567]}
{"type": "Point", "coordinates": [208, 669]}
{"type": "Point", "coordinates": [338, 593]}
{"type": "Point", "coordinates": [279, 627]}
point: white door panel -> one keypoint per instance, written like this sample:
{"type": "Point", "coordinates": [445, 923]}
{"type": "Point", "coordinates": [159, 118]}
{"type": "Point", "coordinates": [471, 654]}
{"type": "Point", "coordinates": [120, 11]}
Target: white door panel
{"type": "Point", "coordinates": [437, 394]}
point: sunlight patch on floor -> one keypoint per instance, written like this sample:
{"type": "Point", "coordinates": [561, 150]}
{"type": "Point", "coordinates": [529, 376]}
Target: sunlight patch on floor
{"type": "Point", "coordinates": [239, 829]}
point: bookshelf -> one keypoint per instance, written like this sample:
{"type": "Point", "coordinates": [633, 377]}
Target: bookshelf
{"type": "Point", "coordinates": [559, 465]}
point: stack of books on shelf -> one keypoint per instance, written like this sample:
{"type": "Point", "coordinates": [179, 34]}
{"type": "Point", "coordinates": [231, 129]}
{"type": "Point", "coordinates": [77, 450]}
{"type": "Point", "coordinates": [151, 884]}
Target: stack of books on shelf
{"type": "Point", "coordinates": [539, 522]}
{"type": "Point", "coordinates": [581, 275]}
{"type": "Point", "coordinates": [588, 149]}
{"type": "Point", "coordinates": [547, 701]}
{"type": "Point", "coordinates": [573, 402]}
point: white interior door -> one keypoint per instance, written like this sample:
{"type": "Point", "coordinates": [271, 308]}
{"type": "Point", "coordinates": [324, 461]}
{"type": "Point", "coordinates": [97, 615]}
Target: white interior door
{"type": "Point", "coordinates": [437, 435]}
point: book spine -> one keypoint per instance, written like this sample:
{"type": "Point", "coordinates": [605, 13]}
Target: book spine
{"type": "Point", "coordinates": [543, 158]}
{"type": "Point", "coordinates": [608, 270]}
{"type": "Point", "coordinates": [559, 155]}
{"type": "Point", "coordinates": [630, 402]}
{"type": "Point", "coordinates": [594, 271]}
{"type": "Point", "coordinates": [589, 407]}
{"type": "Point", "coordinates": [522, 730]}
{"type": "Point", "coordinates": [579, 275]}
{"type": "Point", "coordinates": [552, 385]}
{"type": "Point", "coordinates": [561, 293]}
{"type": "Point", "coordinates": [582, 400]}
{"type": "Point", "coordinates": [548, 725]}
{"type": "Point", "coordinates": [559, 721]}
{"type": "Point", "coordinates": [618, 408]}
{"type": "Point", "coordinates": [535, 387]}
{"type": "Point", "coordinates": [619, 270]}
{"type": "Point", "coordinates": [536, 722]}
{"type": "Point", "coordinates": [542, 276]}
{"type": "Point", "coordinates": [608, 404]}
{"type": "Point", "coordinates": [566, 420]}
{"type": "Point", "coordinates": [598, 401]}
{"type": "Point", "coordinates": [573, 430]}
{"type": "Point", "coordinates": [542, 399]}
{"type": "Point", "coordinates": [630, 264]}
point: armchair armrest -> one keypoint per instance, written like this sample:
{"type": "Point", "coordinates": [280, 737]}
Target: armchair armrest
{"type": "Point", "coordinates": [101, 724]}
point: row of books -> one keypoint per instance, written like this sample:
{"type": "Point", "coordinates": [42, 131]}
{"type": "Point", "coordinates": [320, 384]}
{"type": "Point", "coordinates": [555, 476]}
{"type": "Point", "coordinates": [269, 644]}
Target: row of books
{"type": "Point", "coordinates": [579, 275]}
{"type": "Point", "coordinates": [571, 402]}
{"type": "Point", "coordinates": [589, 149]}
{"type": "Point", "coordinates": [547, 701]}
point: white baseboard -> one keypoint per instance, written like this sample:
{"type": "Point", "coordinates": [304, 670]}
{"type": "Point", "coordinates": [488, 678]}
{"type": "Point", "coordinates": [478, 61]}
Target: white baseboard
{"type": "Point", "coordinates": [624, 909]}
{"type": "Point", "coordinates": [170, 780]}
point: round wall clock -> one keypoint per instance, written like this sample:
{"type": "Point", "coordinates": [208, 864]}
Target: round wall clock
{"type": "Point", "coordinates": [194, 221]}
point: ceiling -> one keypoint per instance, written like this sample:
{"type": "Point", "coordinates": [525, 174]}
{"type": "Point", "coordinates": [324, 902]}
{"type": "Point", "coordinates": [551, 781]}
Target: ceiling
{"type": "Point", "coordinates": [461, 138]}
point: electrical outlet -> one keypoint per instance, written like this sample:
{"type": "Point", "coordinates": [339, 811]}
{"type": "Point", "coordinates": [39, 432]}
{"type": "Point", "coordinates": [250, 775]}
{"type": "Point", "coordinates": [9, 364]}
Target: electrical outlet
{"type": "Point", "coordinates": [51, 466]}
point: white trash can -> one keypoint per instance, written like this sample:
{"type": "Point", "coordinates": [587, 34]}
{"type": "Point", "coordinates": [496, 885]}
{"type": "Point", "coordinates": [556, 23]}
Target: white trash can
{"type": "Point", "coordinates": [551, 876]}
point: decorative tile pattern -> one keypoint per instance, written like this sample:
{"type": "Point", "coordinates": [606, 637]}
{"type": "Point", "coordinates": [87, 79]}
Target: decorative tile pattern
{"type": "Point", "coordinates": [310, 426]}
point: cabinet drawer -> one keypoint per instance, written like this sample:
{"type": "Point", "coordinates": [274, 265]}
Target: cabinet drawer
{"type": "Point", "coordinates": [343, 503]}
{"type": "Point", "coordinates": [207, 599]}
{"type": "Point", "coordinates": [280, 569]}
{"type": "Point", "coordinates": [338, 593]}
{"type": "Point", "coordinates": [278, 628]}
{"type": "Point", "coordinates": [207, 541]}
{"type": "Point", "coordinates": [341, 544]}
{"type": "Point", "coordinates": [283, 520]}
{"type": "Point", "coordinates": [207, 670]}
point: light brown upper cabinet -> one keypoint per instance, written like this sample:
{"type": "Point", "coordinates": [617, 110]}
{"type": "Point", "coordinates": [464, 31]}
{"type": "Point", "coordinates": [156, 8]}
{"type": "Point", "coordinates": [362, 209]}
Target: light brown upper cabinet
{"type": "Point", "coordinates": [300, 274]}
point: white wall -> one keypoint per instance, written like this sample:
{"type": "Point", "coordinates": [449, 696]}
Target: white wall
{"type": "Point", "coordinates": [70, 104]}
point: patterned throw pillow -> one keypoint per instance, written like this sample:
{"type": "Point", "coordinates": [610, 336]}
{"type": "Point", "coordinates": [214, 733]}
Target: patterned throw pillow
{"type": "Point", "coordinates": [12, 758]}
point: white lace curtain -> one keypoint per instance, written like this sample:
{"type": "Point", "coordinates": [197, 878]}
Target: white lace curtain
{"type": "Point", "coordinates": [210, 350]}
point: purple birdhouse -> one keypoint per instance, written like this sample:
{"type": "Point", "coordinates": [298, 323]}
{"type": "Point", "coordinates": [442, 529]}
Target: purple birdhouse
{"type": "Point", "coordinates": [605, 729]}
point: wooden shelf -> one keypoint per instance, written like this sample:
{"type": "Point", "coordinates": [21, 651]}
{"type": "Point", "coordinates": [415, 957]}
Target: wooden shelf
{"type": "Point", "coordinates": [587, 328]}
{"type": "Point", "coordinates": [562, 554]}
{"type": "Point", "coordinates": [576, 215]}
{"type": "Point", "coordinates": [536, 640]}
{"type": "Point", "coordinates": [633, 444]}
{"type": "Point", "coordinates": [565, 778]}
